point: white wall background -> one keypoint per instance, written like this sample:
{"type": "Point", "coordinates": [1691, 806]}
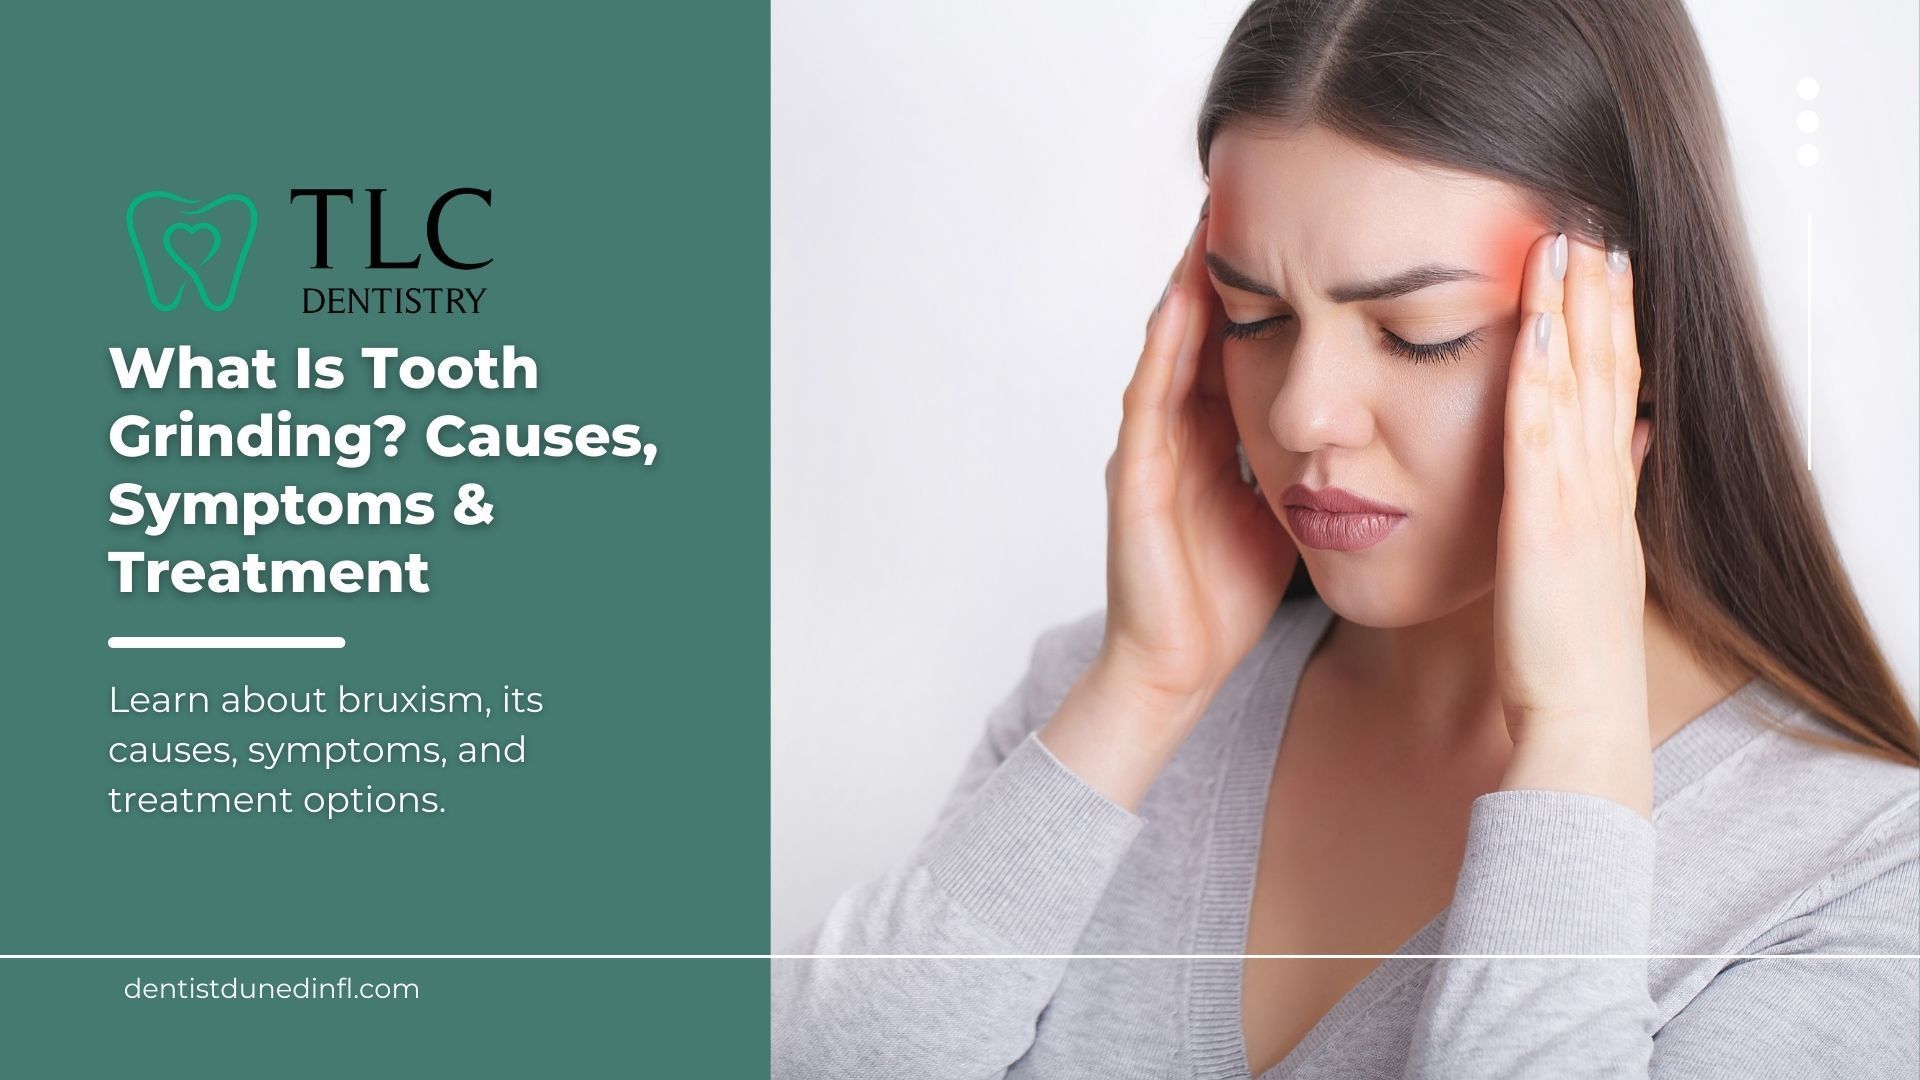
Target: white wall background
{"type": "Point", "coordinates": [974, 208]}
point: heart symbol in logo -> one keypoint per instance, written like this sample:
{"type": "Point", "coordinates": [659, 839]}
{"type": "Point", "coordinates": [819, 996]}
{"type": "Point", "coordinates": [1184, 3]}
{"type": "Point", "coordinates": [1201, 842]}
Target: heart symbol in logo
{"type": "Point", "coordinates": [184, 260]}
{"type": "Point", "coordinates": [173, 252]}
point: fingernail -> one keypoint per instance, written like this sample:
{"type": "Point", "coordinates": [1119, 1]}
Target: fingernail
{"type": "Point", "coordinates": [1557, 256]}
{"type": "Point", "coordinates": [1542, 329]}
{"type": "Point", "coordinates": [1617, 260]}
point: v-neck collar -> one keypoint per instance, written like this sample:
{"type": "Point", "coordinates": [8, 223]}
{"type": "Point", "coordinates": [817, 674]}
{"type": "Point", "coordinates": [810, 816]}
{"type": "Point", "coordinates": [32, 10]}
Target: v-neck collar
{"type": "Point", "coordinates": [1216, 1038]}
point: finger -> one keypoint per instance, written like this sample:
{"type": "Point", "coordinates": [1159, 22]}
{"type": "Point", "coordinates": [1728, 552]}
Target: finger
{"type": "Point", "coordinates": [1626, 352]}
{"type": "Point", "coordinates": [1210, 381]}
{"type": "Point", "coordinates": [1547, 289]}
{"type": "Point", "coordinates": [1193, 282]}
{"type": "Point", "coordinates": [1143, 419]}
{"type": "Point", "coordinates": [1215, 432]}
{"type": "Point", "coordinates": [1172, 276]}
{"type": "Point", "coordinates": [1589, 313]}
{"type": "Point", "coordinates": [1531, 472]}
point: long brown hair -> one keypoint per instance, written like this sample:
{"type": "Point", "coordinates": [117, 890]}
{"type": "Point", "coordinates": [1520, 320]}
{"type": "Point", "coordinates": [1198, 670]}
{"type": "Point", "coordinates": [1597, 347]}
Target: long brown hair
{"type": "Point", "coordinates": [1603, 113]}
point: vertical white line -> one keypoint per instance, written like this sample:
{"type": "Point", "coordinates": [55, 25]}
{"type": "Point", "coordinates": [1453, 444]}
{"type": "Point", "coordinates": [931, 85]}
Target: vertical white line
{"type": "Point", "coordinates": [1809, 341]}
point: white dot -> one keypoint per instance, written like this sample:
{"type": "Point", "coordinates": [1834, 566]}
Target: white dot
{"type": "Point", "coordinates": [1809, 153]}
{"type": "Point", "coordinates": [1809, 120]}
{"type": "Point", "coordinates": [1809, 88]}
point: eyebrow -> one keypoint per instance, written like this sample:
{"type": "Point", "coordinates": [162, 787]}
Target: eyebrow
{"type": "Point", "coordinates": [1406, 281]}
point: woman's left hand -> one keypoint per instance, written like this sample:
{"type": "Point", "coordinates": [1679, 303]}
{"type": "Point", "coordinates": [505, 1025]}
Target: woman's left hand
{"type": "Point", "coordinates": [1570, 580]}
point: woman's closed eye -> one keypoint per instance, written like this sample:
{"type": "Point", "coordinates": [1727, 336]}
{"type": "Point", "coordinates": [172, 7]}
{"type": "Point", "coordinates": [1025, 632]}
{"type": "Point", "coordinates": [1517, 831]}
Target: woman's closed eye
{"type": "Point", "coordinates": [1438, 352]}
{"type": "Point", "coordinates": [1251, 331]}
{"type": "Point", "coordinates": [1420, 352]}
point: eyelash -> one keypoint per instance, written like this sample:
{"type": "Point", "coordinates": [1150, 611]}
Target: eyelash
{"type": "Point", "coordinates": [1439, 352]}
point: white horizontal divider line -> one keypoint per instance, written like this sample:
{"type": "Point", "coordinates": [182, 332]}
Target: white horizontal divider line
{"type": "Point", "coordinates": [226, 643]}
{"type": "Point", "coordinates": [958, 956]}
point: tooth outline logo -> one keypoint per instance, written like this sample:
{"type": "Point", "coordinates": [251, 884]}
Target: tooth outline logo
{"type": "Point", "coordinates": [186, 264]}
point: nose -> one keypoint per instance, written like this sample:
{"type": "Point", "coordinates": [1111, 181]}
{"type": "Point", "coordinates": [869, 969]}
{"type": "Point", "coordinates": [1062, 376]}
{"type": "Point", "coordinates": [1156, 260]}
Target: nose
{"type": "Point", "coordinates": [1323, 398]}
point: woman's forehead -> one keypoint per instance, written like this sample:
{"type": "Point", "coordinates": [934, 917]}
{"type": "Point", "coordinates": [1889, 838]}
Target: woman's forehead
{"type": "Point", "coordinates": [1322, 206]}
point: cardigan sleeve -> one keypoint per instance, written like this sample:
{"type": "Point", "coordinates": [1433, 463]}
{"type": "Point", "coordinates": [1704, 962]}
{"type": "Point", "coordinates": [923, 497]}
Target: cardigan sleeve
{"type": "Point", "coordinates": [1851, 1010]}
{"type": "Point", "coordinates": [1018, 857]}
{"type": "Point", "coordinates": [1566, 879]}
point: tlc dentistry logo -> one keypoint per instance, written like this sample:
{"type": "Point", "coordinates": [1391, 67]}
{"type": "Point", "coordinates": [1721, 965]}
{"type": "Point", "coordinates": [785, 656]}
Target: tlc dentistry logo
{"type": "Point", "coordinates": [184, 243]}
{"type": "Point", "coordinates": [187, 246]}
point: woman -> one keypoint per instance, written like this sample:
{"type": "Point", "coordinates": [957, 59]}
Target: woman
{"type": "Point", "coordinates": [1529, 579]}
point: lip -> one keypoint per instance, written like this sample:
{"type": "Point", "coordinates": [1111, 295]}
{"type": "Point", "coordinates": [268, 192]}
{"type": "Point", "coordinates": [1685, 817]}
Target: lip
{"type": "Point", "coordinates": [1334, 519]}
{"type": "Point", "coordinates": [1335, 500]}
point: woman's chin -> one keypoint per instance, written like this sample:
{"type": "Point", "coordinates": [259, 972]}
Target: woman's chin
{"type": "Point", "coordinates": [1361, 595]}
{"type": "Point", "coordinates": [1387, 596]}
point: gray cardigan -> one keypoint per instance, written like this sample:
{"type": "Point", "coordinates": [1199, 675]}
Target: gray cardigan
{"type": "Point", "coordinates": [1760, 844]}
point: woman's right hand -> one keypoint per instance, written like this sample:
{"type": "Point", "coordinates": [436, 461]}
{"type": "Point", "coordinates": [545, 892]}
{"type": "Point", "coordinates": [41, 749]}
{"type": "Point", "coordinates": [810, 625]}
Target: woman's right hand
{"type": "Point", "coordinates": [1196, 560]}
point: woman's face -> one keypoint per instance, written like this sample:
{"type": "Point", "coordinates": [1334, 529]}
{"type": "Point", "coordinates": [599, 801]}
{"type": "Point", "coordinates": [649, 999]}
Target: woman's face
{"type": "Point", "coordinates": [1323, 386]}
